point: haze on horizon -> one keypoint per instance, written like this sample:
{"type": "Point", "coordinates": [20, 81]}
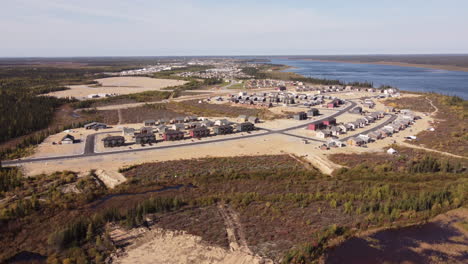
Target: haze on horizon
{"type": "Point", "coordinates": [58, 28]}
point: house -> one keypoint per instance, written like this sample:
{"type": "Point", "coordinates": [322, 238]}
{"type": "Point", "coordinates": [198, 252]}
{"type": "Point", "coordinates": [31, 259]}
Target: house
{"type": "Point", "coordinates": [113, 141]}
{"type": "Point", "coordinates": [163, 121]}
{"type": "Point", "coordinates": [242, 118]}
{"type": "Point", "coordinates": [178, 120]}
{"type": "Point", "coordinates": [207, 123]}
{"type": "Point", "coordinates": [313, 112]}
{"type": "Point", "coordinates": [315, 126]}
{"type": "Point", "coordinates": [380, 114]}
{"type": "Point", "coordinates": [356, 110]}
{"type": "Point", "coordinates": [199, 132]}
{"type": "Point", "coordinates": [335, 131]}
{"type": "Point", "coordinates": [389, 128]}
{"type": "Point", "coordinates": [396, 127]}
{"type": "Point", "coordinates": [343, 128]}
{"type": "Point", "coordinates": [162, 128]}
{"type": "Point", "coordinates": [362, 122]}
{"type": "Point", "coordinates": [374, 136]}
{"type": "Point", "coordinates": [223, 129]}
{"type": "Point", "coordinates": [350, 126]}
{"type": "Point", "coordinates": [374, 115]}
{"type": "Point", "coordinates": [356, 141]}
{"type": "Point", "coordinates": [323, 133]}
{"type": "Point", "coordinates": [190, 119]}
{"type": "Point", "coordinates": [365, 138]}
{"type": "Point", "coordinates": [178, 126]}
{"type": "Point", "coordinates": [95, 125]}
{"type": "Point", "coordinates": [335, 143]}
{"type": "Point", "coordinates": [253, 119]}
{"type": "Point", "coordinates": [170, 135]}
{"type": "Point", "coordinates": [384, 132]}
{"type": "Point", "coordinates": [149, 122]}
{"type": "Point", "coordinates": [246, 126]}
{"type": "Point", "coordinates": [146, 130]}
{"type": "Point", "coordinates": [222, 122]}
{"type": "Point", "coordinates": [68, 139]}
{"type": "Point", "coordinates": [193, 125]}
{"type": "Point", "coordinates": [329, 121]}
{"type": "Point", "coordinates": [300, 116]}
{"type": "Point", "coordinates": [369, 119]}
{"type": "Point", "coordinates": [334, 103]}
{"type": "Point", "coordinates": [281, 88]}
{"type": "Point", "coordinates": [128, 131]}
{"type": "Point", "coordinates": [145, 138]}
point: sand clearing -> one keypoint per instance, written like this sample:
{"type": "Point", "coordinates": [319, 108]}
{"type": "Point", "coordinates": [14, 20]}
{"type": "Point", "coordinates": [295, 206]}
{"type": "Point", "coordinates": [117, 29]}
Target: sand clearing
{"type": "Point", "coordinates": [117, 85]}
{"type": "Point", "coordinates": [170, 247]}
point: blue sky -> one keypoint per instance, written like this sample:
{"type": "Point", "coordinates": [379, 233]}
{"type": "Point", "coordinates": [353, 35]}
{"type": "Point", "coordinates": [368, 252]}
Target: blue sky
{"type": "Point", "coordinates": [209, 27]}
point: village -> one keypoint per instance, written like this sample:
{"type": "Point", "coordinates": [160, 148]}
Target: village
{"type": "Point", "coordinates": [340, 118]}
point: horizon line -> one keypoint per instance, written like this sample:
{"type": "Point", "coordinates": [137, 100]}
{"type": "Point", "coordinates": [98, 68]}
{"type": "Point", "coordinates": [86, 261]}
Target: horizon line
{"type": "Point", "coordinates": [214, 56]}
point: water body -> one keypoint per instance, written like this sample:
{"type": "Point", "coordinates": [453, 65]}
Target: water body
{"type": "Point", "coordinates": [404, 78]}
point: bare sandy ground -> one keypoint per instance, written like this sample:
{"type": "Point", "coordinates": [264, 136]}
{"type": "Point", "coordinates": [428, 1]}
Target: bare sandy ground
{"type": "Point", "coordinates": [110, 178]}
{"type": "Point", "coordinates": [47, 149]}
{"type": "Point", "coordinates": [117, 85]}
{"type": "Point", "coordinates": [269, 144]}
{"type": "Point", "coordinates": [170, 247]}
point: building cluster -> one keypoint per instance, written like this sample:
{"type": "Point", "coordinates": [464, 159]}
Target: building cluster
{"type": "Point", "coordinates": [405, 119]}
{"type": "Point", "coordinates": [266, 83]}
{"type": "Point", "coordinates": [329, 127]}
{"type": "Point", "coordinates": [225, 73]}
{"type": "Point", "coordinates": [267, 99]}
{"type": "Point", "coordinates": [151, 69]}
{"type": "Point", "coordinates": [321, 89]}
{"type": "Point", "coordinates": [179, 128]}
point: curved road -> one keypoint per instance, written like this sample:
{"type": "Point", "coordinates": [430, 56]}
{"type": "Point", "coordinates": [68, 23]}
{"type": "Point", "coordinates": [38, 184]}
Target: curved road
{"type": "Point", "coordinates": [89, 145]}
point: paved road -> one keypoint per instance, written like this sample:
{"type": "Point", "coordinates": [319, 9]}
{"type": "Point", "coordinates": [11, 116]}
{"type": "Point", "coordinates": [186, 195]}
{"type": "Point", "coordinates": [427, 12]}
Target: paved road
{"type": "Point", "coordinates": [89, 145]}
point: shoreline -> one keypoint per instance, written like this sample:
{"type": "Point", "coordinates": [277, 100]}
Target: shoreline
{"type": "Point", "coordinates": [402, 64]}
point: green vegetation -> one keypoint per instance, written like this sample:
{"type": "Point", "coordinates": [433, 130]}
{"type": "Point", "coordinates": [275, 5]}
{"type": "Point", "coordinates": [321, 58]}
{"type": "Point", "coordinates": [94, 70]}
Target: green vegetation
{"type": "Point", "coordinates": [288, 212]}
{"type": "Point", "coordinates": [10, 178]}
{"type": "Point", "coordinates": [25, 114]}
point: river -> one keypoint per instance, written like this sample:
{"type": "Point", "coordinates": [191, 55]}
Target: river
{"type": "Point", "coordinates": [405, 78]}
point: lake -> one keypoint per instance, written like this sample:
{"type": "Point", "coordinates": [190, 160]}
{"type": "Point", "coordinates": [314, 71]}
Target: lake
{"type": "Point", "coordinates": [404, 78]}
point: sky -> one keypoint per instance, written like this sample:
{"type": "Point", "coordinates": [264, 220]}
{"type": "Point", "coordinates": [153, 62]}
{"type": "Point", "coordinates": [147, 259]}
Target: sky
{"type": "Point", "coordinates": [61, 28]}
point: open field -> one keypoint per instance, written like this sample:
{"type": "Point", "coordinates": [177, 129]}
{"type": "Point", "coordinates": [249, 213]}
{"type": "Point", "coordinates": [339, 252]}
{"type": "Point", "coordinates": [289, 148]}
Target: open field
{"type": "Point", "coordinates": [117, 85]}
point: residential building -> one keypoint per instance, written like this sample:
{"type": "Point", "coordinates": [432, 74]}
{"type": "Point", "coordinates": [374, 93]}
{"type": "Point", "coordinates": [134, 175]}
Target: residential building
{"type": "Point", "coordinates": [300, 116]}
{"type": "Point", "coordinates": [149, 122]}
{"type": "Point", "coordinates": [223, 129]}
{"type": "Point", "coordinates": [246, 126]}
{"type": "Point", "coordinates": [113, 141]}
{"type": "Point", "coordinates": [170, 135]}
{"type": "Point", "coordinates": [68, 139]}
{"type": "Point", "coordinates": [199, 132]}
